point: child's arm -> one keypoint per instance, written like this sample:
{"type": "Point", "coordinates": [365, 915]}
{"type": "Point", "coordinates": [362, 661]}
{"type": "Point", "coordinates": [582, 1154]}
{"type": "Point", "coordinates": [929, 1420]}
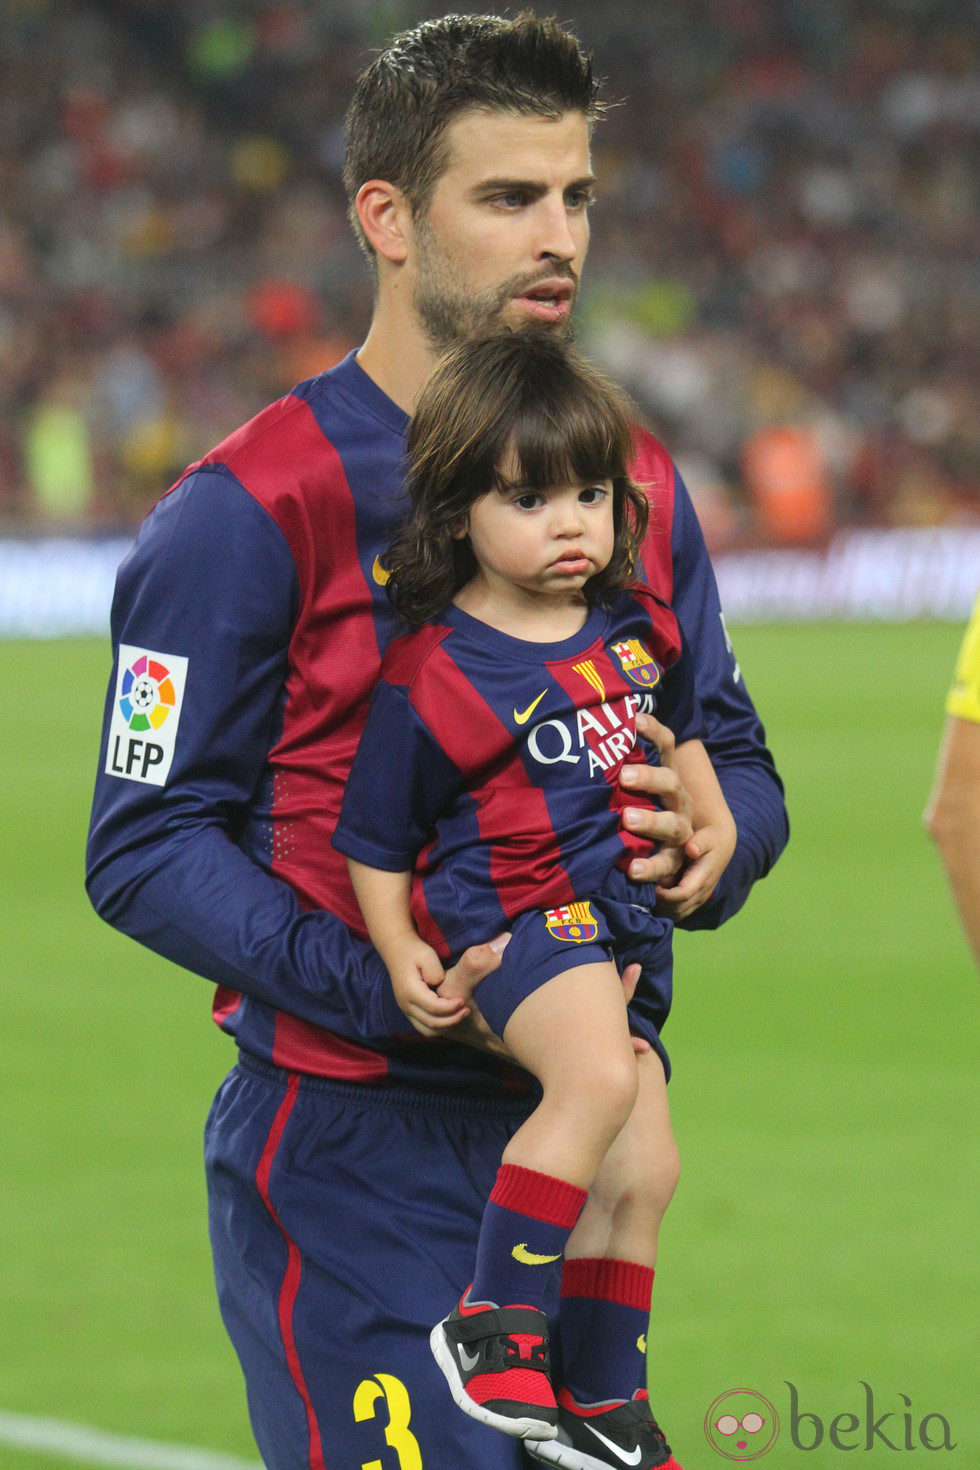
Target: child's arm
{"type": "Point", "coordinates": [415, 968]}
{"type": "Point", "coordinates": [710, 849]}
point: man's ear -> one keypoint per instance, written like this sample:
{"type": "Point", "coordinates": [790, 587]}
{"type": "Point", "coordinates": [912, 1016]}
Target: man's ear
{"type": "Point", "coordinates": [385, 218]}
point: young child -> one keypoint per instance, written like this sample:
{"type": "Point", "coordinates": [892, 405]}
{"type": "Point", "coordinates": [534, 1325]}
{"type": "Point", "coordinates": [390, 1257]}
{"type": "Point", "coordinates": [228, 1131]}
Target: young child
{"type": "Point", "coordinates": [485, 798]}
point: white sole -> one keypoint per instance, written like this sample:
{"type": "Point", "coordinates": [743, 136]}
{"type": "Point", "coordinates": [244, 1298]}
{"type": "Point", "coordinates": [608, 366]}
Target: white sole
{"type": "Point", "coordinates": [527, 1429]}
{"type": "Point", "coordinates": [567, 1457]}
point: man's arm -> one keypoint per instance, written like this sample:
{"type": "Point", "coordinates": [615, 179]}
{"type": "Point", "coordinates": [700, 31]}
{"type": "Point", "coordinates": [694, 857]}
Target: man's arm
{"type": "Point", "coordinates": [733, 733]}
{"type": "Point", "coordinates": [211, 580]}
{"type": "Point", "coordinates": [952, 819]}
{"type": "Point", "coordinates": [952, 816]}
{"type": "Point", "coordinates": [733, 736]}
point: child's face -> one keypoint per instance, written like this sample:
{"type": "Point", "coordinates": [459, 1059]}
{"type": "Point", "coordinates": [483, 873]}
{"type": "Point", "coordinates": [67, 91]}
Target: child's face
{"type": "Point", "coordinates": [543, 541]}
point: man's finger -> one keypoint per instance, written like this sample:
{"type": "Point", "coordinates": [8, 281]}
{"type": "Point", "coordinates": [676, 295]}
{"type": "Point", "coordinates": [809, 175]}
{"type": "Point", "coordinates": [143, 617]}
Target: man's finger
{"type": "Point", "coordinates": [672, 827]}
{"type": "Point", "coordinates": [629, 977]}
{"type": "Point", "coordinates": [658, 735]}
{"type": "Point", "coordinates": [474, 965]}
{"type": "Point", "coordinates": [661, 868]}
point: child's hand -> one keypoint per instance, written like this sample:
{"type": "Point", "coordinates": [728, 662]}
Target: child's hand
{"type": "Point", "coordinates": [708, 852]}
{"type": "Point", "coordinates": [416, 973]}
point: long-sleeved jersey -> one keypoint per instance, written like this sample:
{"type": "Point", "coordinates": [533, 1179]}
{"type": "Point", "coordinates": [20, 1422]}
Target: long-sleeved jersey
{"type": "Point", "coordinates": [490, 765]}
{"type": "Point", "coordinates": [248, 624]}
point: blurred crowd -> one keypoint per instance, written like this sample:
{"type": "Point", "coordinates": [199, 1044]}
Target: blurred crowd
{"type": "Point", "coordinates": [782, 272]}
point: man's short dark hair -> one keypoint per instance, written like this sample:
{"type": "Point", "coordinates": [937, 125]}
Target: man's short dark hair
{"type": "Point", "coordinates": [403, 102]}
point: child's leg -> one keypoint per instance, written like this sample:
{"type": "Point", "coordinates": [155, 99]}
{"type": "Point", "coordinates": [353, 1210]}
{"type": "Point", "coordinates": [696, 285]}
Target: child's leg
{"type": "Point", "coordinates": [572, 1032]}
{"type": "Point", "coordinates": [606, 1285]}
{"type": "Point", "coordinates": [608, 1274]}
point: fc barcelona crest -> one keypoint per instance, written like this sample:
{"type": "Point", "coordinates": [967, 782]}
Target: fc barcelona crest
{"type": "Point", "coordinates": [575, 922]}
{"type": "Point", "coordinates": [637, 664]}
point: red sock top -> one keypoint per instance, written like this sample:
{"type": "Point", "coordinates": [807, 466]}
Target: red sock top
{"type": "Point", "coordinates": [554, 1201]}
{"type": "Point", "coordinates": [609, 1281]}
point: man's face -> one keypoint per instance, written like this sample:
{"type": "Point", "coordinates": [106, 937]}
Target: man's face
{"type": "Point", "coordinates": [506, 230]}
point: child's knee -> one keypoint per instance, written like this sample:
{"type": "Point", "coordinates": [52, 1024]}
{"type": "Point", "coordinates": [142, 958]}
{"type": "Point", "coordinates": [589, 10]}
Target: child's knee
{"type": "Point", "coordinates": [641, 1181]}
{"type": "Point", "coordinates": [608, 1087]}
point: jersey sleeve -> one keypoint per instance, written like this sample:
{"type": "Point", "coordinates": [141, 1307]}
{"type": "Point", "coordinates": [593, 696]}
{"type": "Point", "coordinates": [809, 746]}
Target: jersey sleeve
{"type": "Point", "coordinates": [678, 705]}
{"type": "Point", "coordinates": [208, 596]}
{"type": "Point", "coordinates": [400, 781]}
{"type": "Point", "coordinates": [732, 731]}
{"type": "Point", "coordinates": [963, 699]}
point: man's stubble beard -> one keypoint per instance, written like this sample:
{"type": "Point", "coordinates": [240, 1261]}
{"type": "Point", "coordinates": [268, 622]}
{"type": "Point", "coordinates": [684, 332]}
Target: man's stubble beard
{"type": "Point", "coordinates": [451, 313]}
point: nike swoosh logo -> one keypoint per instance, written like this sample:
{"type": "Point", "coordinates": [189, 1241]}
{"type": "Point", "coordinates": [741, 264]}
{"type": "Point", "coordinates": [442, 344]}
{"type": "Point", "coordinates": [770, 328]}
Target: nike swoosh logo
{"type": "Point", "coordinates": [379, 574]}
{"type": "Point", "coordinates": [528, 1258]}
{"type": "Point", "coordinates": [468, 1360]}
{"type": "Point", "coordinates": [621, 1455]}
{"type": "Point", "coordinates": [522, 719]}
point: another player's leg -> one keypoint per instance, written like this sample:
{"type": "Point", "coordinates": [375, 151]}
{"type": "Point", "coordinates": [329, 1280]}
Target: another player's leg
{"type": "Point", "coordinates": [605, 1418]}
{"type": "Point", "coordinates": [572, 1033]}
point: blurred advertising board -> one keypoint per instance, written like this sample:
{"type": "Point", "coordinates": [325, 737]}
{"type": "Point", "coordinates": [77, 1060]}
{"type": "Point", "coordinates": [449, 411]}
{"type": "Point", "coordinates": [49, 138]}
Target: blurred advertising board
{"type": "Point", "coordinates": [54, 587]}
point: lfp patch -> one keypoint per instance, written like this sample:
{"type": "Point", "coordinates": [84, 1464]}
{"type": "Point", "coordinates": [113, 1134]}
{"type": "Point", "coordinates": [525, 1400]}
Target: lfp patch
{"type": "Point", "coordinates": [145, 714]}
{"type": "Point", "coordinates": [575, 923]}
{"type": "Point", "coordinates": [637, 663]}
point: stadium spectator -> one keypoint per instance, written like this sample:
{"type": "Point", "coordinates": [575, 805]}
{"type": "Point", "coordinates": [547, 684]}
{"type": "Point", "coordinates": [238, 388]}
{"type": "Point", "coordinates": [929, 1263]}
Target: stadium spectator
{"type": "Point", "coordinates": [787, 208]}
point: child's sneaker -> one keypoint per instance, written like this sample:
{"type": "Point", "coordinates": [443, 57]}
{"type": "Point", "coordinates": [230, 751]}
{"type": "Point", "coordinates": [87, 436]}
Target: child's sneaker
{"type": "Point", "coordinates": [496, 1364]}
{"type": "Point", "coordinates": [607, 1438]}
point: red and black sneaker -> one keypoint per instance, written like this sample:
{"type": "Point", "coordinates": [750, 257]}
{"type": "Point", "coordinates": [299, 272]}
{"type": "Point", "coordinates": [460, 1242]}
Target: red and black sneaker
{"type": "Point", "coordinates": [496, 1364]}
{"type": "Point", "coordinates": [607, 1437]}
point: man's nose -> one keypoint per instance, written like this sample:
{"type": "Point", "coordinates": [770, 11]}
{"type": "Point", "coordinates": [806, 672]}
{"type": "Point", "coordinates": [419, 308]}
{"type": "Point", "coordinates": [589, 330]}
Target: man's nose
{"type": "Point", "coordinates": [556, 237]}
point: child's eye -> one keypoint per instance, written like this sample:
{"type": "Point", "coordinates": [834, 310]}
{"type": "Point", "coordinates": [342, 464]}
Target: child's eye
{"type": "Point", "coordinates": [593, 494]}
{"type": "Point", "coordinates": [530, 500]}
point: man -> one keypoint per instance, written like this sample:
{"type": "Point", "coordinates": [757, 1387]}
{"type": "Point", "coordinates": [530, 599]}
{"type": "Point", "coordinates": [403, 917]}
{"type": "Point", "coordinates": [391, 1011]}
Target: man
{"type": "Point", "coordinates": [953, 814]}
{"type": "Point", "coordinates": [348, 1159]}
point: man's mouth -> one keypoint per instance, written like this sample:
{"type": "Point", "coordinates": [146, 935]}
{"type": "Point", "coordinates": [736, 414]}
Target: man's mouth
{"type": "Point", "coordinates": [549, 300]}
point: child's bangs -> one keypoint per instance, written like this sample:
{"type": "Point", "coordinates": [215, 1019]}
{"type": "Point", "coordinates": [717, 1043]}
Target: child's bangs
{"type": "Point", "coordinates": [552, 444]}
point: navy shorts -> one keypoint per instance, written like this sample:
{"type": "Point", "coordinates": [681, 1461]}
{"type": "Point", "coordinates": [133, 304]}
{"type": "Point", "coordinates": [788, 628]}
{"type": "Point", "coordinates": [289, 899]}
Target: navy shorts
{"type": "Point", "coordinates": [615, 924]}
{"type": "Point", "coordinates": [344, 1222]}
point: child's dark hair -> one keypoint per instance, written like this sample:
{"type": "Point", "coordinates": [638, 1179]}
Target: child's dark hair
{"type": "Point", "coordinates": [530, 396]}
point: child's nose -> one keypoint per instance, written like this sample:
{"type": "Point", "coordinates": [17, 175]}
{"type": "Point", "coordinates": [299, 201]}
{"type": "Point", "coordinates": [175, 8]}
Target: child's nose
{"type": "Point", "coordinates": [567, 519]}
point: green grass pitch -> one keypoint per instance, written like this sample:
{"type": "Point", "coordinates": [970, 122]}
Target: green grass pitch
{"type": "Point", "coordinates": [823, 1233]}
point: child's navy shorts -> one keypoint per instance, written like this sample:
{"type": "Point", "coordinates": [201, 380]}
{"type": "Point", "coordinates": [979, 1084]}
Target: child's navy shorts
{"type": "Point", "coordinates": [615, 924]}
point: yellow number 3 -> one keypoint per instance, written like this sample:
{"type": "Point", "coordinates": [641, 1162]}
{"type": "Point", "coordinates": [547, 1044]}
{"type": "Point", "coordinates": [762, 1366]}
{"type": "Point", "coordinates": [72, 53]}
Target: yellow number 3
{"type": "Point", "coordinates": [397, 1433]}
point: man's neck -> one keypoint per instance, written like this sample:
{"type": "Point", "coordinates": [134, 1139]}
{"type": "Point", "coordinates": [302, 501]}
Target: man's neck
{"type": "Point", "coordinates": [396, 354]}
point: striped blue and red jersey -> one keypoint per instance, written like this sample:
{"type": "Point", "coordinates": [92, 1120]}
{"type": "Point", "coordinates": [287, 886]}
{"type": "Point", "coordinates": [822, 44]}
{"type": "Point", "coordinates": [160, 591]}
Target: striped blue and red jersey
{"type": "Point", "coordinates": [249, 624]}
{"type": "Point", "coordinates": [490, 765]}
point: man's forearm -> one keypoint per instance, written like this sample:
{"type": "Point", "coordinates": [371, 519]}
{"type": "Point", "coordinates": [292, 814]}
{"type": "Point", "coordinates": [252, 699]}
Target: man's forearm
{"type": "Point", "coordinates": [205, 905]}
{"type": "Point", "coordinates": [755, 799]}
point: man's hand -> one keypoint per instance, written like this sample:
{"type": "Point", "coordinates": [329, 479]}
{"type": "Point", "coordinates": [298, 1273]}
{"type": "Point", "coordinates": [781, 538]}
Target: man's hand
{"type": "Point", "coordinates": [671, 828]}
{"type": "Point", "coordinates": [474, 965]}
{"type": "Point", "coordinates": [629, 977]}
{"type": "Point", "coordinates": [709, 852]}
